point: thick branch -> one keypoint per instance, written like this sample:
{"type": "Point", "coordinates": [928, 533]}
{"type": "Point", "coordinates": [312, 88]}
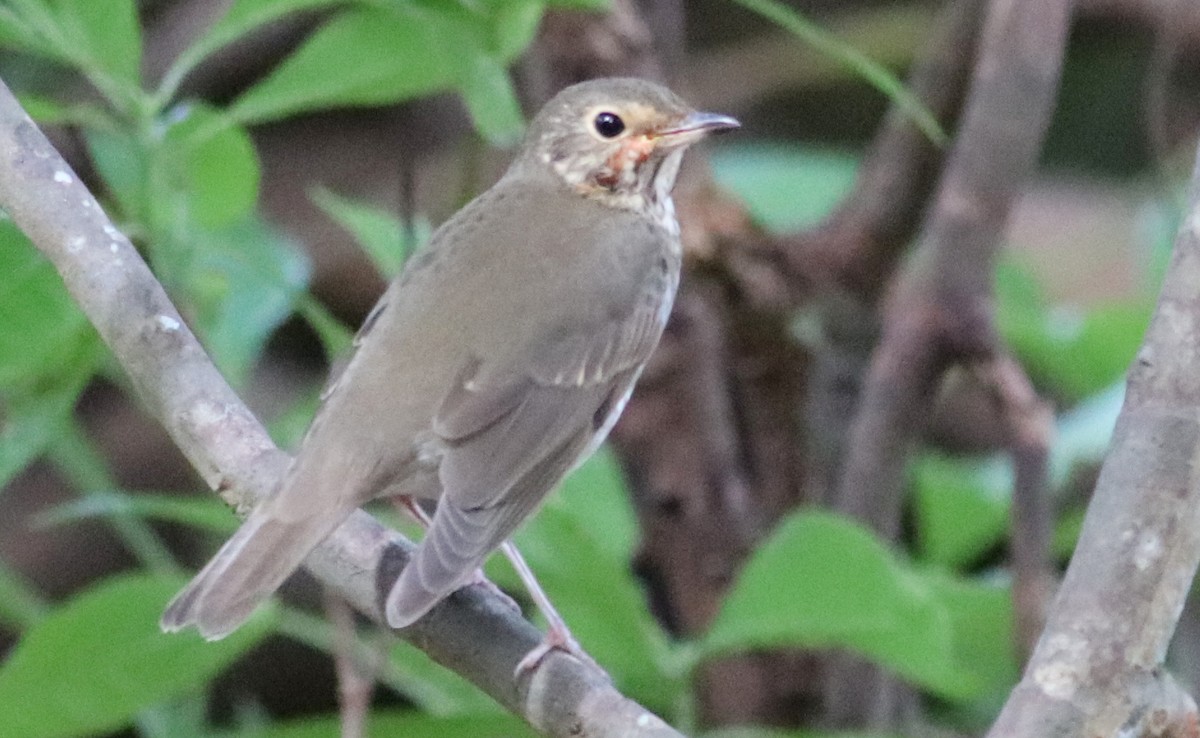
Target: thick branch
{"type": "Point", "coordinates": [1140, 546]}
{"type": "Point", "coordinates": [473, 632]}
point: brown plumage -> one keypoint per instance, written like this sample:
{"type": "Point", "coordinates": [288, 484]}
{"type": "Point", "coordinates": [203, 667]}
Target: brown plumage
{"type": "Point", "coordinates": [497, 361]}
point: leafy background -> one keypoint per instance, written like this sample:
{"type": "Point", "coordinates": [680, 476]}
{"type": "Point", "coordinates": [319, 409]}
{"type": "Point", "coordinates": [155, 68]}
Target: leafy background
{"type": "Point", "coordinates": [183, 176]}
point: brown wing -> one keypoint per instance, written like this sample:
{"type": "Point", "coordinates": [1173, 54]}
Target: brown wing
{"type": "Point", "coordinates": [508, 437]}
{"type": "Point", "coordinates": [495, 426]}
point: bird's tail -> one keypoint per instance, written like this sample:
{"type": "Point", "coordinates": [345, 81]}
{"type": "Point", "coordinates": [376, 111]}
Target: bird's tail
{"type": "Point", "coordinates": [460, 539]}
{"type": "Point", "coordinates": [249, 567]}
{"type": "Point", "coordinates": [455, 546]}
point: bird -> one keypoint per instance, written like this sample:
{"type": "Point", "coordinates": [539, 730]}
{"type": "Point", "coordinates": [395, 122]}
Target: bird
{"type": "Point", "coordinates": [496, 362]}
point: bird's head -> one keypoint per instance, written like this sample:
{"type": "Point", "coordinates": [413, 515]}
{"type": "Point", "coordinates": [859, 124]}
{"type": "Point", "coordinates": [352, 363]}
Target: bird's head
{"type": "Point", "coordinates": [618, 140]}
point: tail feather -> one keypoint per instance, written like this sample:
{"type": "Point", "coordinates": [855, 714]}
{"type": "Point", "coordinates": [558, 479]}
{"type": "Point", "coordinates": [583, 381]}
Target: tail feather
{"type": "Point", "coordinates": [456, 545]}
{"type": "Point", "coordinates": [263, 553]}
{"type": "Point", "coordinates": [460, 539]}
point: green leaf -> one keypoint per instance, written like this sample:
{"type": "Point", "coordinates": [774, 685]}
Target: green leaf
{"type": "Point", "coordinates": [366, 56]}
{"type": "Point", "coordinates": [99, 658]}
{"type": "Point", "coordinates": [514, 24]}
{"type": "Point", "coordinates": [1104, 346]}
{"type": "Point", "coordinates": [33, 417]}
{"type": "Point", "coordinates": [243, 282]}
{"type": "Point", "coordinates": [242, 18]}
{"type": "Point", "coordinates": [1066, 534]}
{"type": "Point", "coordinates": [757, 731]}
{"type": "Point", "coordinates": [962, 506]}
{"type": "Point", "coordinates": [335, 337]}
{"type": "Point", "coordinates": [379, 55]}
{"type": "Point", "coordinates": [879, 77]}
{"type": "Point", "coordinates": [202, 511]}
{"type": "Point", "coordinates": [785, 187]}
{"type": "Point", "coordinates": [492, 102]}
{"type": "Point", "coordinates": [823, 581]}
{"type": "Point", "coordinates": [382, 235]}
{"type": "Point", "coordinates": [408, 671]}
{"type": "Point", "coordinates": [102, 35]}
{"type": "Point", "coordinates": [1083, 433]}
{"type": "Point", "coordinates": [487, 725]}
{"type": "Point", "coordinates": [19, 34]}
{"type": "Point", "coordinates": [211, 161]}
{"type": "Point", "coordinates": [48, 352]}
{"type": "Point", "coordinates": [76, 457]}
{"type": "Point", "coordinates": [597, 491]}
{"type": "Point", "coordinates": [124, 165]}
{"type": "Point", "coordinates": [42, 332]}
{"type": "Point", "coordinates": [982, 627]}
{"type": "Point", "coordinates": [288, 428]}
{"type": "Point", "coordinates": [54, 112]}
{"type": "Point", "coordinates": [580, 546]}
{"type": "Point", "coordinates": [581, 4]}
{"type": "Point", "coordinates": [1076, 352]}
{"type": "Point", "coordinates": [182, 716]}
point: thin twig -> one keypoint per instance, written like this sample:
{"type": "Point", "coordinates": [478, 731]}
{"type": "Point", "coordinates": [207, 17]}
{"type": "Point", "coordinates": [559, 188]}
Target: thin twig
{"type": "Point", "coordinates": [356, 684]}
{"type": "Point", "coordinates": [472, 632]}
{"type": "Point", "coordinates": [1028, 423]}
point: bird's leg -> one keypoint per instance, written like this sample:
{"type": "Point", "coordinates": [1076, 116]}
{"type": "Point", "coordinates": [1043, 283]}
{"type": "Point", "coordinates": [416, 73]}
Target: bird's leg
{"type": "Point", "coordinates": [557, 634]}
{"type": "Point", "coordinates": [406, 504]}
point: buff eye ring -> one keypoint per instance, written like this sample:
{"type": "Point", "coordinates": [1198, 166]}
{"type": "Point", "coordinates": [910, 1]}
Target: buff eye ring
{"type": "Point", "coordinates": [609, 125]}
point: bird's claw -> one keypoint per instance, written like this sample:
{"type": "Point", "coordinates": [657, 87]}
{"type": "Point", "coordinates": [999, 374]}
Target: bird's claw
{"type": "Point", "coordinates": [555, 639]}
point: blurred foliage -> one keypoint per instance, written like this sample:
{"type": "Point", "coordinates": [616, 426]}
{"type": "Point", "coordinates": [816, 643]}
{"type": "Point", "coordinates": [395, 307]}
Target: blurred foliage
{"type": "Point", "coordinates": [823, 581]}
{"type": "Point", "coordinates": [384, 238]}
{"type": "Point", "coordinates": [862, 65]}
{"type": "Point", "coordinates": [95, 661]}
{"type": "Point", "coordinates": [785, 186]}
{"type": "Point", "coordinates": [182, 178]}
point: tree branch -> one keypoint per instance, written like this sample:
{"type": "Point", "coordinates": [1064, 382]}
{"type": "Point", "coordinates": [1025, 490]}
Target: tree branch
{"type": "Point", "coordinates": [473, 632]}
{"type": "Point", "coordinates": [1096, 668]}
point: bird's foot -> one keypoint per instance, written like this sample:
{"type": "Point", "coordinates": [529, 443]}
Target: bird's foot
{"type": "Point", "coordinates": [560, 639]}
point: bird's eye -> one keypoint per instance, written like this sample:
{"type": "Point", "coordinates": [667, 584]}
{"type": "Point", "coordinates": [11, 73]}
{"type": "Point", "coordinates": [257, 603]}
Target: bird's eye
{"type": "Point", "coordinates": [609, 125]}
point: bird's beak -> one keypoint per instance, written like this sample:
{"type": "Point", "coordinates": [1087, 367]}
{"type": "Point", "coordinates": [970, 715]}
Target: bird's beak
{"type": "Point", "coordinates": [695, 127]}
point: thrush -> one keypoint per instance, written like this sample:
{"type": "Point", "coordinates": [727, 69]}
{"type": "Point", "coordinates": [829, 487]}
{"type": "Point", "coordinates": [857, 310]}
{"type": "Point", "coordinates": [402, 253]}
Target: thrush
{"type": "Point", "coordinates": [497, 361]}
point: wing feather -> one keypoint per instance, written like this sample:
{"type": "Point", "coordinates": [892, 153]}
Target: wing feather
{"type": "Point", "coordinates": [508, 437]}
{"type": "Point", "coordinates": [497, 423]}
